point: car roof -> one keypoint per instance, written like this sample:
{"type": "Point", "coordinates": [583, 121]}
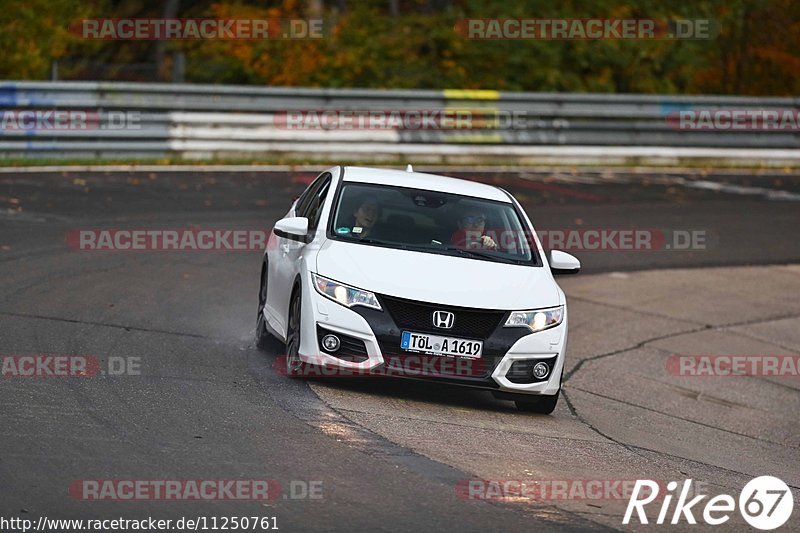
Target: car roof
{"type": "Point", "coordinates": [428, 182]}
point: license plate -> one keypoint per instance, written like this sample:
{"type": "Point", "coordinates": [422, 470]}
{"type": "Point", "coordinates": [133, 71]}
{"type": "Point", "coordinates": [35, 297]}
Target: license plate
{"type": "Point", "coordinates": [436, 345]}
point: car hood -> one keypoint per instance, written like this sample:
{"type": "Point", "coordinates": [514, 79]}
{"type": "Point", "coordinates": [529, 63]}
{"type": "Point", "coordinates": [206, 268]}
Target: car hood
{"type": "Point", "coordinates": [436, 278]}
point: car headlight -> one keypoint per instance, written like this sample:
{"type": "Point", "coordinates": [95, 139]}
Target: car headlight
{"type": "Point", "coordinates": [537, 319]}
{"type": "Point", "coordinates": [345, 294]}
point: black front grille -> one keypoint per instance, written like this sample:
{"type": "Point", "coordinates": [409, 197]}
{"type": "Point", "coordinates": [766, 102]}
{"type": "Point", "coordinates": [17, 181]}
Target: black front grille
{"type": "Point", "coordinates": [470, 323]}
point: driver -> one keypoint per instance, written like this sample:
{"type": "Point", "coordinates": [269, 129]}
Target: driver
{"type": "Point", "coordinates": [472, 231]}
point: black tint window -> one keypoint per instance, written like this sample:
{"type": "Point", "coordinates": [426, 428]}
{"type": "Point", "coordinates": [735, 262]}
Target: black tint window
{"type": "Point", "coordinates": [315, 205]}
{"type": "Point", "coordinates": [306, 198]}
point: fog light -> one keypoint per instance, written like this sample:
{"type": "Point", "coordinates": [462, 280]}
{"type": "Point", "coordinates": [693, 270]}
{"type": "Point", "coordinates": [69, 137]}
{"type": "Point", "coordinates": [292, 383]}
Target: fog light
{"type": "Point", "coordinates": [330, 343]}
{"type": "Point", "coordinates": [540, 370]}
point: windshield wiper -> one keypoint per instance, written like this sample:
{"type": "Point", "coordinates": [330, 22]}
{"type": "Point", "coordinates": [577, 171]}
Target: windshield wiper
{"type": "Point", "coordinates": [478, 253]}
{"type": "Point", "coordinates": [367, 240]}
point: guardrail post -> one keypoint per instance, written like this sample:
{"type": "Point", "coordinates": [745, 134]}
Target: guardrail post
{"type": "Point", "coordinates": [178, 67]}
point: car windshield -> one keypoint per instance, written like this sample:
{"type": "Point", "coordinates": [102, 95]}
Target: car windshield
{"type": "Point", "coordinates": [430, 221]}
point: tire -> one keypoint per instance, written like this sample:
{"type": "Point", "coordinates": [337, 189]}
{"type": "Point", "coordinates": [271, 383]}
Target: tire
{"type": "Point", "coordinates": [543, 405]}
{"type": "Point", "coordinates": [294, 365]}
{"type": "Point", "coordinates": [264, 341]}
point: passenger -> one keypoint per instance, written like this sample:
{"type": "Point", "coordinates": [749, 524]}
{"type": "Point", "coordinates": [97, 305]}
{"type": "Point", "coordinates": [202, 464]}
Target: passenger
{"type": "Point", "coordinates": [365, 217]}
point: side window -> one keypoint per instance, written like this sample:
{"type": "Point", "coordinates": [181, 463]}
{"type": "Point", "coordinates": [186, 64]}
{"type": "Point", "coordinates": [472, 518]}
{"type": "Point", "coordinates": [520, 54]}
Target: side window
{"type": "Point", "coordinates": [314, 210]}
{"type": "Point", "coordinates": [305, 199]}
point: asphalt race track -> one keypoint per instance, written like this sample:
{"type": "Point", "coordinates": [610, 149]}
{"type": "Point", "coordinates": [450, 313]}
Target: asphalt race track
{"type": "Point", "coordinates": [200, 402]}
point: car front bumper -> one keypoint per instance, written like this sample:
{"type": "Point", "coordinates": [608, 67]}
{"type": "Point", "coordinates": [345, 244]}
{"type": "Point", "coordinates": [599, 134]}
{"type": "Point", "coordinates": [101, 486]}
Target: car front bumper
{"type": "Point", "coordinates": [506, 351]}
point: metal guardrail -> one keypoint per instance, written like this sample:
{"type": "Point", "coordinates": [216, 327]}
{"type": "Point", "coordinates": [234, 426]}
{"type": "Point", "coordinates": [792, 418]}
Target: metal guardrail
{"type": "Point", "coordinates": [202, 121]}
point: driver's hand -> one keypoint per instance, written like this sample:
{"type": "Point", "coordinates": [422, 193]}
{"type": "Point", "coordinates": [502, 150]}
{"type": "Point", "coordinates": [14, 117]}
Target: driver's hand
{"type": "Point", "coordinates": [488, 242]}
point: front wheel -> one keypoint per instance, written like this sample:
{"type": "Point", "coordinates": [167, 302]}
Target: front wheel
{"type": "Point", "coordinates": [264, 340]}
{"type": "Point", "coordinates": [543, 405]}
{"type": "Point", "coordinates": [294, 365]}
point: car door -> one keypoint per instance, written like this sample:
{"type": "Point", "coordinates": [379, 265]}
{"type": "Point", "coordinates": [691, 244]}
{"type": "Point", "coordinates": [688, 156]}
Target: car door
{"type": "Point", "coordinates": [284, 258]}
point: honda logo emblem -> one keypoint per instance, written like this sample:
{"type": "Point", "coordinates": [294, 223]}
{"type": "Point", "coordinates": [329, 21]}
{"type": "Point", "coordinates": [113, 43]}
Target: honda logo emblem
{"type": "Point", "coordinates": [443, 319]}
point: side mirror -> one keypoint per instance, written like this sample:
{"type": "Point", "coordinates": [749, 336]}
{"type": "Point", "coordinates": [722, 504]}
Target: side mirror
{"type": "Point", "coordinates": [563, 263]}
{"type": "Point", "coordinates": [293, 228]}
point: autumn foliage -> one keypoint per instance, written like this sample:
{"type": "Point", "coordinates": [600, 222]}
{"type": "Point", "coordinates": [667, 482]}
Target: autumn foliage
{"type": "Point", "coordinates": [414, 44]}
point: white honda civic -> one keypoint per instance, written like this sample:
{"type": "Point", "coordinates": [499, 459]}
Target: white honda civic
{"type": "Point", "coordinates": [391, 273]}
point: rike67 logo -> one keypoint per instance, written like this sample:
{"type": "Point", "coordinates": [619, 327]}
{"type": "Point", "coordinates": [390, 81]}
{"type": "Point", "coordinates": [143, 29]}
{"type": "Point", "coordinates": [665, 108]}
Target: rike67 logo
{"type": "Point", "coordinates": [765, 503]}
